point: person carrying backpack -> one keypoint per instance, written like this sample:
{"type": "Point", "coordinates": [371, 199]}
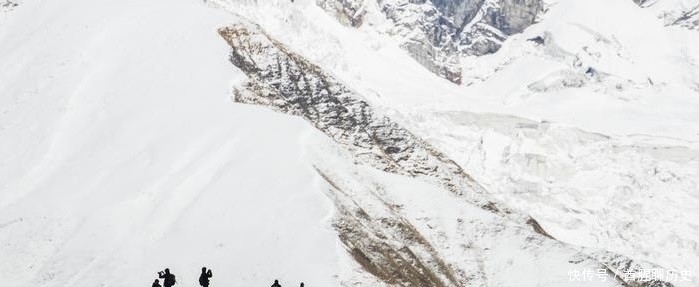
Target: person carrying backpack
{"type": "Point", "coordinates": [276, 284]}
{"type": "Point", "coordinates": [204, 277]}
{"type": "Point", "coordinates": [156, 283]}
{"type": "Point", "coordinates": [168, 278]}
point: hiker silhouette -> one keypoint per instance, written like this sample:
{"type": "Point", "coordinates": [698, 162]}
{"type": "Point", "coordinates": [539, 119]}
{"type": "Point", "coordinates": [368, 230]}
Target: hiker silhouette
{"type": "Point", "coordinates": [168, 278]}
{"type": "Point", "coordinates": [276, 284]}
{"type": "Point", "coordinates": [156, 283]}
{"type": "Point", "coordinates": [301, 284]}
{"type": "Point", "coordinates": [204, 277]}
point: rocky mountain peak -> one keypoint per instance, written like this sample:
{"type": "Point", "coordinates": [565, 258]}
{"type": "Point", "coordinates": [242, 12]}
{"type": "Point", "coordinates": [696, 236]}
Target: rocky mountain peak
{"type": "Point", "coordinates": [437, 33]}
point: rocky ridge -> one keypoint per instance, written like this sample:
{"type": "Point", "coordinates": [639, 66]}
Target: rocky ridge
{"type": "Point", "coordinates": [437, 33]}
{"type": "Point", "coordinates": [285, 81]}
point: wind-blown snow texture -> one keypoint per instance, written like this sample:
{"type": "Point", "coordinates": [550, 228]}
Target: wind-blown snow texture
{"type": "Point", "coordinates": [571, 143]}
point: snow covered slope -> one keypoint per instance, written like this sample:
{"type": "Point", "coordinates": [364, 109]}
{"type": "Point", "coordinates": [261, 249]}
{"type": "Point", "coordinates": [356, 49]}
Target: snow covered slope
{"type": "Point", "coordinates": [127, 145]}
{"type": "Point", "coordinates": [122, 155]}
{"type": "Point", "coordinates": [585, 66]}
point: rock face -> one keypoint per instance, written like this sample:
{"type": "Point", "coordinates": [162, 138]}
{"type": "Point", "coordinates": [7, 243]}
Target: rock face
{"type": "Point", "coordinates": [640, 2]}
{"type": "Point", "coordinates": [437, 32]}
{"type": "Point", "coordinates": [675, 13]}
{"type": "Point", "coordinates": [396, 247]}
{"type": "Point", "coordinates": [8, 5]}
{"type": "Point", "coordinates": [476, 27]}
{"type": "Point", "coordinates": [428, 36]}
{"type": "Point", "coordinates": [688, 18]}
{"type": "Point", "coordinates": [287, 82]}
{"type": "Point", "coordinates": [348, 12]}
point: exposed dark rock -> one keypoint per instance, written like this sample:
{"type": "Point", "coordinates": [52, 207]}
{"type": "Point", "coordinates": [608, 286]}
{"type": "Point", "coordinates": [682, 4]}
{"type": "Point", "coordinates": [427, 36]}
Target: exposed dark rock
{"type": "Point", "coordinates": [386, 247]}
{"type": "Point", "coordinates": [348, 12]}
{"type": "Point", "coordinates": [640, 2]}
{"type": "Point", "coordinates": [590, 72]}
{"type": "Point", "coordinates": [287, 82]}
{"type": "Point", "coordinates": [688, 19]}
{"type": "Point", "coordinates": [8, 4]}
{"type": "Point", "coordinates": [538, 40]}
{"type": "Point", "coordinates": [630, 271]}
{"type": "Point", "coordinates": [437, 33]}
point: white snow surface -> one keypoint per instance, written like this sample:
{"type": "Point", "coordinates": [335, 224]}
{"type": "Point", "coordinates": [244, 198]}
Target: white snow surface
{"type": "Point", "coordinates": [121, 152]}
{"type": "Point", "coordinates": [608, 160]}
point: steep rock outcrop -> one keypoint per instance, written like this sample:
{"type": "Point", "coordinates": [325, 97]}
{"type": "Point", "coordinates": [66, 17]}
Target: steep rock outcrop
{"type": "Point", "coordinates": [437, 33]}
{"type": "Point", "coordinates": [640, 2]}
{"type": "Point", "coordinates": [427, 36]}
{"type": "Point", "coordinates": [688, 18]}
{"type": "Point", "coordinates": [285, 81]}
{"type": "Point", "coordinates": [7, 6]}
{"type": "Point", "coordinates": [387, 244]}
{"type": "Point", "coordinates": [675, 13]}
{"type": "Point", "coordinates": [348, 12]}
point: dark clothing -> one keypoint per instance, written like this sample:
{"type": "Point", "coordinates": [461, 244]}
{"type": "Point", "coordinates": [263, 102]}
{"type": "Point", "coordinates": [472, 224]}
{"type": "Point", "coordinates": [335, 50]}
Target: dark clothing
{"type": "Point", "coordinates": [204, 278]}
{"type": "Point", "coordinates": [156, 284]}
{"type": "Point", "coordinates": [276, 285]}
{"type": "Point", "coordinates": [169, 279]}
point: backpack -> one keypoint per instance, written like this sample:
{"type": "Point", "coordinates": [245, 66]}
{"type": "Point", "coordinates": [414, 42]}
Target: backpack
{"type": "Point", "coordinates": [204, 278]}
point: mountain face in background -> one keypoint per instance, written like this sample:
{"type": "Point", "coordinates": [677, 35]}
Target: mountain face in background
{"type": "Point", "coordinates": [349, 142]}
{"type": "Point", "coordinates": [438, 33]}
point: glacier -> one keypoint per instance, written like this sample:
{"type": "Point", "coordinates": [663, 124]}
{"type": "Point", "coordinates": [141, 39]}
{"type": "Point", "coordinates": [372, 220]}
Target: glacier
{"type": "Point", "coordinates": [348, 142]}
